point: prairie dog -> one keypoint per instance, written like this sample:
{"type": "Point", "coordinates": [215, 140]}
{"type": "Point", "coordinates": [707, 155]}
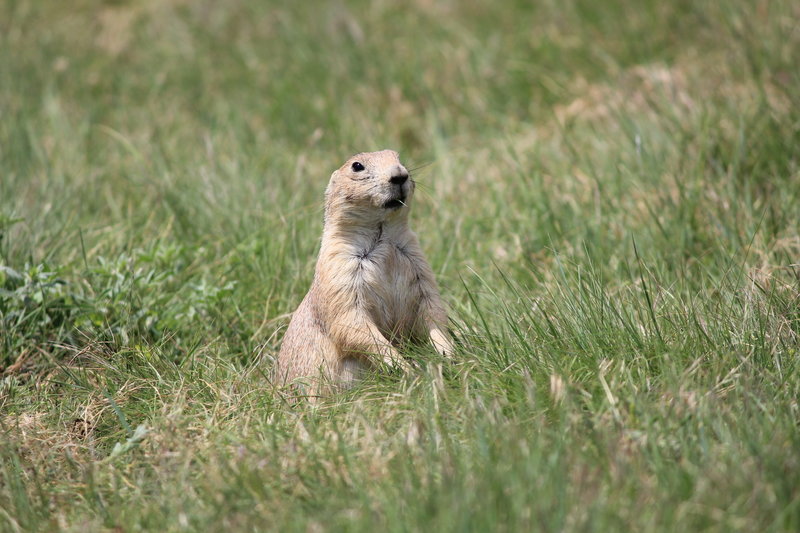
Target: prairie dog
{"type": "Point", "coordinates": [373, 290]}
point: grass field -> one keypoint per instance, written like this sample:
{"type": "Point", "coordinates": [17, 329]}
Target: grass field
{"type": "Point", "coordinates": [607, 192]}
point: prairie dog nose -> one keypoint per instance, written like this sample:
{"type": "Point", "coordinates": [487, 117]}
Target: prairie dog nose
{"type": "Point", "coordinates": [399, 177]}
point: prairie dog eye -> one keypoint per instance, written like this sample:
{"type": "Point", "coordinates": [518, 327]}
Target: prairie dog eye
{"type": "Point", "coordinates": [357, 167]}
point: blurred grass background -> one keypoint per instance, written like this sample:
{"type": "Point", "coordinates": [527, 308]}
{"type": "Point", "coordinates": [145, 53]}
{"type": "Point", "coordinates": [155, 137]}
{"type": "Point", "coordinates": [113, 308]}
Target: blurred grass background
{"type": "Point", "coordinates": [607, 193]}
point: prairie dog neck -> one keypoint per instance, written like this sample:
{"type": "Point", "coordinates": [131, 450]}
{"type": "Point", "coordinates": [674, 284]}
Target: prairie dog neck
{"type": "Point", "coordinates": [357, 236]}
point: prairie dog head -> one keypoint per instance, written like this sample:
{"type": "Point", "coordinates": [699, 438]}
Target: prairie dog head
{"type": "Point", "coordinates": [369, 186]}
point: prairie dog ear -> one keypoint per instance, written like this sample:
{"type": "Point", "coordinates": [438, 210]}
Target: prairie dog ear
{"type": "Point", "coordinates": [331, 183]}
{"type": "Point", "coordinates": [334, 178]}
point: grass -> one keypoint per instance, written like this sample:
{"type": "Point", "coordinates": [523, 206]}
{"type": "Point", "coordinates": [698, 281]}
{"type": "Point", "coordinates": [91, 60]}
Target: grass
{"type": "Point", "coordinates": [608, 194]}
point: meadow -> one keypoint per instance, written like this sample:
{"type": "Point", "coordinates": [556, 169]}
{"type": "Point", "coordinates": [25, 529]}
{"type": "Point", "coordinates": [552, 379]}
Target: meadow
{"type": "Point", "coordinates": [606, 191]}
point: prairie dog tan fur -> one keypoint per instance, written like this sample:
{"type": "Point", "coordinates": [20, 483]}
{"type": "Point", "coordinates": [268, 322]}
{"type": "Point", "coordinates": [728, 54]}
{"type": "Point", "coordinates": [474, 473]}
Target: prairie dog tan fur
{"type": "Point", "coordinates": [373, 290]}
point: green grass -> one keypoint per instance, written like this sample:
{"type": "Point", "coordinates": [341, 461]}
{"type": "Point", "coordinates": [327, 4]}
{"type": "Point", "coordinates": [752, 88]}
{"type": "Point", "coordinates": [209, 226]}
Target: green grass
{"type": "Point", "coordinates": [610, 204]}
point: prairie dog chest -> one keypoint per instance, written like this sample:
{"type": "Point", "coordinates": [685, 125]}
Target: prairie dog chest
{"type": "Point", "coordinates": [388, 283]}
{"type": "Point", "coordinates": [387, 265]}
